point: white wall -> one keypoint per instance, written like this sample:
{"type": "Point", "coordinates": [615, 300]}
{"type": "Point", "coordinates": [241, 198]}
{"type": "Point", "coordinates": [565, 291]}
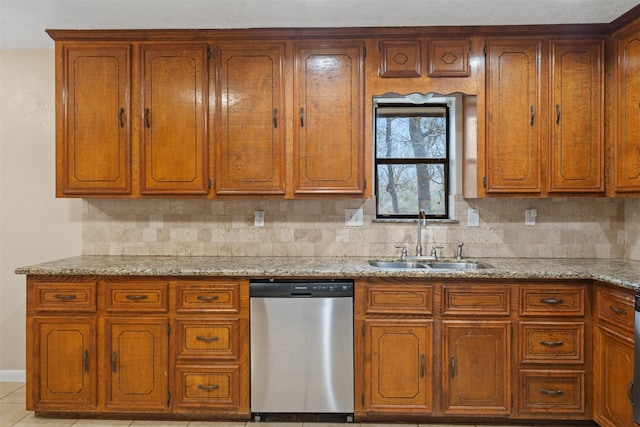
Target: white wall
{"type": "Point", "coordinates": [34, 225]}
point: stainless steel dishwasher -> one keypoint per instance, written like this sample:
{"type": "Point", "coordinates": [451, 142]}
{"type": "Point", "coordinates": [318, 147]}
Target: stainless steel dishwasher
{"type": "Point", "coordinates": [301, 347]}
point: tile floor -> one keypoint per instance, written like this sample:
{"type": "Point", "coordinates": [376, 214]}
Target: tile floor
{"type": "Point", "coordinates": [12, 413]}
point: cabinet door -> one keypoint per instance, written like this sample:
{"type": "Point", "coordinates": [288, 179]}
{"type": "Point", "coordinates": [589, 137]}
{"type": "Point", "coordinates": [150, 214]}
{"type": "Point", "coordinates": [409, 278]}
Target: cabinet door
{"type": "Point", "coordinates": [174, 157]}
{"type": "Point", "coordinates": [137, 351]}
{"type": "Point", "coordinates": [93, 128]}
{"type": "Point", "coordinates": [513, 146]}
{"type": "Point", "coordinates": [399, 372]}
{"type": "Point", "coordinates": [577, 148]}
{"type": "Point", "coordinates": [476, 366]}
{"type": "Point", "coordinates": [250, 138]}
{"type": "Point", "coordinates": [64, 363]}
{"type": "Point", "coordinates": [328, 108]}
{"type": "Point", "coordinates": [613, 370]}
{"type": "Point", "coordinates": [627, 145]}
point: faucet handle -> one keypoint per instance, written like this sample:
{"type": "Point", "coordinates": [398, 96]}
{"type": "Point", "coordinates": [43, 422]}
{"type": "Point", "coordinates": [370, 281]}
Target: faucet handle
{"type": "Point", "coordinates": [403, 252]}
{"type": "Point", "coordinates": [434, 251]}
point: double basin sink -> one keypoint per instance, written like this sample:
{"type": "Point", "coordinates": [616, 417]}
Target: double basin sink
{"type": "Point", "coordinates": [435, 265]}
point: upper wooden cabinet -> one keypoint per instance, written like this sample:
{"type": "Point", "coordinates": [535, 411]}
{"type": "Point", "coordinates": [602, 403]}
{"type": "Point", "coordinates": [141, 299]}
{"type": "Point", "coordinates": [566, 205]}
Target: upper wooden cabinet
{"type": "Point", "coordinates": [174, 148]}
{"type": "Point", "coordinates": [250, 130]}
{"type": "Point", "coordinates": [627, 108]}
{"type": "Point", "coordinates": [513, 138]}
{"type": "Point", "coordinates": [328, 107]}
{"type": "Point", "coordinates": [93, 119]}
{"type": "Point", "coordinates": [577, 136]}
{"type": "Point", "coordinates": [537, 144]}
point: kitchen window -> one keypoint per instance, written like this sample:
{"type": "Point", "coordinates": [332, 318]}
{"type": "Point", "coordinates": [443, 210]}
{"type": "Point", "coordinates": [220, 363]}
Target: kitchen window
{"type": "Point", "coordinates": [412, 159]}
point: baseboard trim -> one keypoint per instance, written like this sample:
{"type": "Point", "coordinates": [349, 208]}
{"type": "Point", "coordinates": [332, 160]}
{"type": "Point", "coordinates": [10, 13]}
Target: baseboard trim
{"type": "Point", "coordinates": [13, 376]}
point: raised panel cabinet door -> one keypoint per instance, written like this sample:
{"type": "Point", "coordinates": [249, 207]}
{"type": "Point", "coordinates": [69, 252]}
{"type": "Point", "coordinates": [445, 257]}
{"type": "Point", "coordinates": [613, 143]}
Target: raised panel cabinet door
{"type": "Point", "coordinates": [476, 365]}
{"type": "Point", "coordinates": [137, 364]}
{"type": "Point", "coordinates": [513, 144]}
{"type": "Point", "coordinates": [399, 373]}
{"type": "Point", "coordinates": [613, 371]}
{"type": "Point", "coordinates": [174, 150]}
{"type": "Point", "coordinates": [251, 131]}
{"type": "Point", "coordinates": [627, 153]}
{"type": "Point", "coordinates": [328, 109]}
{"type": "Point", "coordinates": [93, 120]}
{"type": "Point", "coordinates": [577, 143]}
{"type": "Point", "coordinates": [65, 367]}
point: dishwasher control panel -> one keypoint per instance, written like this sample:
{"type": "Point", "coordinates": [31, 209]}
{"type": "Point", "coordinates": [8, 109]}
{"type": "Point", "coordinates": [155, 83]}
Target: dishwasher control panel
{"type": "Point", "coordinates": [276, 288]}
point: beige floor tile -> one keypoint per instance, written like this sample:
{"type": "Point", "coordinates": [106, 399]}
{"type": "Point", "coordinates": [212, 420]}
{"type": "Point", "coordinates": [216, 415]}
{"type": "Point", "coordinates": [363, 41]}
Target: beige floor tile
{"type": "Point", "coordinates": [7, 388]}
{"type": "Point", "coordinates": [17, 396]}
{"type": "Point", "coordinates": [11, 413]}
{"type": "Point", "coordinates": [32, 420]}
{"type": "Point", "coordinates": [273, 424]}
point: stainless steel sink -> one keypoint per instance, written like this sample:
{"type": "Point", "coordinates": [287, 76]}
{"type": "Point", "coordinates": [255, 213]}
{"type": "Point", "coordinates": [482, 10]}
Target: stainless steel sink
{"type": "Point", "coordinates": [456, 265]}
{"type": "Point", "coordinates": [397, 264]}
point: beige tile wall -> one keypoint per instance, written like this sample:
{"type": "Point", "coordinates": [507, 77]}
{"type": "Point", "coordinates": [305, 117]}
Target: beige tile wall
{"type": "Point", "coordinates": [632, 228]}
{"type": "Point", "coordinates": [566, 228]}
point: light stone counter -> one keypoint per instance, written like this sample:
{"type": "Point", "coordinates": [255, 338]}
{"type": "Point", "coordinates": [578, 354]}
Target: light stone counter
{"type": "Point", "coordinates": [623, 273]}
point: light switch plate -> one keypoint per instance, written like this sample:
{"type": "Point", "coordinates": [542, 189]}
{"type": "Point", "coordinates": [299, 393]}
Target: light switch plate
{"type": "Point", "coordinates": [354, 217]}
{"type": "Point", "coordinates": [258, 218]}
{"type": "Point", "coordinates": [530, 216]}
{"type": "Point", "coordinates": [473, 218]}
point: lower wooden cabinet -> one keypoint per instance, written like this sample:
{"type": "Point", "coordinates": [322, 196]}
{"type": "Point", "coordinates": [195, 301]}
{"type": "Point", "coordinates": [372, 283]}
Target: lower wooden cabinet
{"type": "Point", "coordinates": [400, 367]}
{"type": "Point", "coordinates": [64, 368]}
{"type": "Point", "coordinates": [138, 346]}
{"type": "Point", "coordinates": [476, 372]}
{"type": "Point", "coordinates": [137, 372]}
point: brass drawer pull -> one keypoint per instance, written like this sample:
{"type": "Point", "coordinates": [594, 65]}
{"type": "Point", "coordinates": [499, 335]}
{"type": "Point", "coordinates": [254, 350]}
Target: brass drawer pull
{"type": "Point", "coordinates": [137, 297]}
{"type": "Point", "coordinates": [617, 310]}
{"type": "Point", "coordinates": [85, 361]}
{"type": "Point", "coordinates": [453, 366]}
{"type": "Point", "coordinates": [114, 362]}
{"type": "Point", "coordinates": [552, 343]}
{"type": "Point", "coordinates": [208, 298]}
{"type": "Point", "coordinates": [206, 339]}
{"type": "Point", "coordinates": [422, 365]}
{"type": "Point", "coordinates": [65, 298]}
{"type": "Point", "coordinates": [551, 301]}
{"type": "Point", "coordinates": [552, 392]}
{"type": "Point", "coordinates": [208, 387]}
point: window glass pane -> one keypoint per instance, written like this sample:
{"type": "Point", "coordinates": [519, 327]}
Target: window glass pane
{"type": "Point", "coordinates": [404, 189]}
{"type": "Point", "coordinates": [411, 134]}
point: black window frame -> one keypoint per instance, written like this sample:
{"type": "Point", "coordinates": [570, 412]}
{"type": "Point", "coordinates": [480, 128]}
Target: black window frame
{"type": "Point", "coordinates": [445, 161]}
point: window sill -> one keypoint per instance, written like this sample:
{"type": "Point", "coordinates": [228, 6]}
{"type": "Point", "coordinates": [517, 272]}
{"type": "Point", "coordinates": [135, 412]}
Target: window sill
{"type": "Point", "coordinates": [413, 221]}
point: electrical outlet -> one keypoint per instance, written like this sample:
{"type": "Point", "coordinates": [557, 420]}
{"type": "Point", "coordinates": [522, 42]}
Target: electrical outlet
{"type": "Point", "coordinates": [530, 216]}
{"type": "Point", "coordinates": [258, 218]}
{"type": "Point", "coordinates": [473, 218]}
{"type": "Point", "coordinates": [354, 217]}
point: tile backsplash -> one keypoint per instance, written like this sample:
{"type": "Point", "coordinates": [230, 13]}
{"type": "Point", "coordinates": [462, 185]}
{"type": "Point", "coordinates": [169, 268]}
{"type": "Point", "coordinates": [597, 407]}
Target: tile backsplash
{"type": "Point", "coordinates": [565, 228]}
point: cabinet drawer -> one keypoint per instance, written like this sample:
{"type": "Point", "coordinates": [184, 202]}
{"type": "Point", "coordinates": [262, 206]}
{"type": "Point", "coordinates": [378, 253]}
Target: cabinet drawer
{"type": "Point", "coordinates": [561, 301]}
{"type": "Point", "coordinates": [204, 297]}
{"type": "Point", "coordinates": [405, 299]}
{"type": "Point", "coordinates": [552, 342]}
{"type": "Point", "coordinates": [206, 387]}
{"type": "Point", "coordinates": [210, 338]}
{"type": "Point", "coordinates": [552, 392]}
{"type": "Point", "coordinates": [615, 308]}
{"type": "Point", "coordinates": [56, 297]}
{"type": "Point", "coordinates": [136, 297]}
{"type": "Point", "coordinates": [476, 300]}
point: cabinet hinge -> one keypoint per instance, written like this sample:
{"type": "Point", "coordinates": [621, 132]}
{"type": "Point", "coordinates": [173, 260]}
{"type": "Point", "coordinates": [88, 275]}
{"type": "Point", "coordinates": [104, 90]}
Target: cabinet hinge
{"type": "Point", "coordinates": [362, 399]}
{"type": "Point", "coordinates": [511, 331]}
{"type": "Point", "coordinates": [211, 54]}
{"type": "Point", "coordinates": [210, 184]}
{"type": "Point", "coordinates": [484, 182]}
{"type": "Point", "coordinates": [485, 50]}
{"type": "Point", "coordinates": [364, 52]}
{"type": "Point", "coordinates": [362, 330]}
{"type": "Point", "coordinates": [168, 398]}
{"type": "Point", "coordinates": [379, 46]}
{"type": "Point", "coordinates": [168, 328]}
{"type": "Point", "coordinates": [365, 183]}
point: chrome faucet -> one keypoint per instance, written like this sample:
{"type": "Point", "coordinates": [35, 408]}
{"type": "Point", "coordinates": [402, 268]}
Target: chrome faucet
{"type": "Point", "coordinates": [422, 221]}
{"type": "Point", "coordinates": [459, 251]}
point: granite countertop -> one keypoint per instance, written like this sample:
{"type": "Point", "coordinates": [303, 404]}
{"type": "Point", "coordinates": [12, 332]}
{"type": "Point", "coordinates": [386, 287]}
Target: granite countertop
{"type": "Point", "coordinates": [623, 273]}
